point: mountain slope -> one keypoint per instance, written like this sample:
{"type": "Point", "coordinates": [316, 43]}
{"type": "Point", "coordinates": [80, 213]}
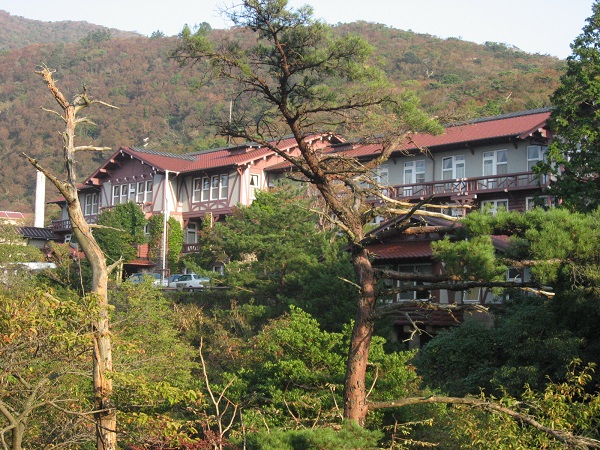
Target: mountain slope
{"type": "Point", "coordinates": [18, 32]}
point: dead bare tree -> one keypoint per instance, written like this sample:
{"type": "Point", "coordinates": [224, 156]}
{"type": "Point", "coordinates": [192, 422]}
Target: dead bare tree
{"type": "Point", "coordinates": [105, 414]}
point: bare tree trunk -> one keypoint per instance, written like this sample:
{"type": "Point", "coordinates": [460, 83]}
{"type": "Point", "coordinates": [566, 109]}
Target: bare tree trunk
{"type": "Point", "coordinates": [355, 391]}
{"type": "Point", "coordinates": [106, 420]}
{"type": "Point", "coordinates": [105, 414]}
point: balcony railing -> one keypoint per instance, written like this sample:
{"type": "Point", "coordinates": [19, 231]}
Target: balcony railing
{"type": "Point", "coordinates": [61, 225]}
{"type": "Point", "coordinates": [190, 248]}
{"type": "Point", "coordinates": [470, 186]}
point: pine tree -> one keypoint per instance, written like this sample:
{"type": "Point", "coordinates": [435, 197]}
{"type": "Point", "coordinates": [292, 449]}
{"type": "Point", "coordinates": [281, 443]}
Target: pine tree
{"type": "Point", "coordinates": [575, 153]}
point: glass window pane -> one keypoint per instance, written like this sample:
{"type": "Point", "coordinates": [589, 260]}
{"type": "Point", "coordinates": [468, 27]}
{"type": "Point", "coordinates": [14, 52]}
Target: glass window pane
{"type": "Point", "coordinates": [224, 183]}
{"type": "Point", "coordinates": [533, 152]}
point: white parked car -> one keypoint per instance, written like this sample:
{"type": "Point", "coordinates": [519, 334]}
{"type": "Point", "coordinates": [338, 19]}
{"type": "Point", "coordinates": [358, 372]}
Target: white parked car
{"type": "Point", "coordinates": [173, 279]}
{"type": "Point", "coordinates": [137, 278]}
{"type": "Point", "coordinates": [190, 281]}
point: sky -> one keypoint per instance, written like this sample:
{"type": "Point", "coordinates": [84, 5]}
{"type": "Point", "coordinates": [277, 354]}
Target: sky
{"type": "Point", "coordinates": [535, 26]}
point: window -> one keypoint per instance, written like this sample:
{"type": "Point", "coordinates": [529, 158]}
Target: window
{"type": "Point", "coordinates": [414, 173]}
{"type": "Point", "coordinates": [495, 162]}
{"type": "Point", "coordinates": [214, 187]}
{"type": "Point", "coordinates": [116, 195]}
{"type": "Point", "coordinates": [191, 233]}
{"type": "Point", "coordinates": [414, 268]}
{"type": "Point", "coordinates": [535, 154]}
{"type": "Point", "coordinates": [224, 186]}
{"type": "Point", "coordinates": [254, 184]}
{"type": "Point", "coordinates": [205, 189]}
{"type": "Point", "coordinates": [472, 295]}
{"type": "Point", "coordinates": [197, 190]}
{"type": "Point", "coordinates": [455, 212]}
{"type": "Point", "coordinates": [132, 192]}
{"type": "Point", "coordinates": [382, 175]}
{"type": "Point", "coordinates": [493, 206]}
{"type": "Point", "coordinates": [148, 192]}
{"type": "Point", "coordinates": [453, 167]}
{"type": "Point", "coordinates": [91, 204]}
{"type": "Point", "coordinates": [140, 192]}
{"type": "Point", "coordinates": [124, 192]}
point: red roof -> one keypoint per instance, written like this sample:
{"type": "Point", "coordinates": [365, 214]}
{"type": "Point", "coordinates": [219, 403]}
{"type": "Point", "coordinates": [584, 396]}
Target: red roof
{"type": "Point", "coordinates": [12, 215]}
{"type": "Point", "coordinates": [518, 125]}
{"type": "Point", "coordinates": [206, 160]}
{"type": "Point", "coordinates": [402, 250]}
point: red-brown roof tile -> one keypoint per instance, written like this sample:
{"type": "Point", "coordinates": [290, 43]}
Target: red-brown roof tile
{"type": "Point", "coordinates": [519, 125]}
{"type": "Point", "coordinates": [402, 250]}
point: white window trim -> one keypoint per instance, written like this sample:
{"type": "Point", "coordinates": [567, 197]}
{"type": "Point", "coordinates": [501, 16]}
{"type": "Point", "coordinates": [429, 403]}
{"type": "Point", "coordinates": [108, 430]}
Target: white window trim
{"type": "Point", "coordinates": [254, 185]}
{"type": "Point", "coordinates": [213, 187]}
{"type": "Point", "coordinates": [148, 193]}
{"type": "Point", "coordinates": [542, 155]}
{"type": "Point", "coordinates": [91, 204]}
{"type": "Point", "coordinates": [457, 161]}
{"type": "Point", "coordinates": [140, 192]}
{"type": "Point", "coordinates": [224, 186]}
{"type": "Point", "coordinates": [116, 194]}
{"type": "Point", "coordinates": [491, 206]}
{"type": "Point", "coordinates": [196, 190]}
{"type": "Point", "coordinates": [492, 157]}
{"type": "Point", "coordinates": [414, 268]}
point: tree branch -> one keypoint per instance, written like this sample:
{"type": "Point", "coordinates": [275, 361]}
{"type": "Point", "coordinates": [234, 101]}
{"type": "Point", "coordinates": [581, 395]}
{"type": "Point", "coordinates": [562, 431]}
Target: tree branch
{"type": "Point", "coordinates": [563, 436]}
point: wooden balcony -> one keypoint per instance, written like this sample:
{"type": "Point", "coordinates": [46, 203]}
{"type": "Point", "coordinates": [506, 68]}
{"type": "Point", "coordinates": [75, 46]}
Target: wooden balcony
{"type": "Point", "coordinates": [61, 225]}
{"type": "Point", "coordinates": [469, 187]}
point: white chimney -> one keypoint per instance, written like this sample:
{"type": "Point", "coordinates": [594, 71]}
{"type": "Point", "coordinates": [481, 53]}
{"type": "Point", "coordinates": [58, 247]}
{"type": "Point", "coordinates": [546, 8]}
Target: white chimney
{"type": "Point", "coordinates": [40, 200]}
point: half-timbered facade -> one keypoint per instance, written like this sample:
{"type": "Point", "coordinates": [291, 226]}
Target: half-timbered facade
{"type": "Point", "coordinates": [485, 163]}
{"type": "Point", "coordinates": [187, 187]}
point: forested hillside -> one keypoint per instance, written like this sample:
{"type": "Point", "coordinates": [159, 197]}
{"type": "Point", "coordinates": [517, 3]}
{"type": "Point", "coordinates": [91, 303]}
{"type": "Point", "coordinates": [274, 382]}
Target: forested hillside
{"type": "Point", "coordinates": [174, 108]}
{"type": "Point", "coordinates": [18, 32]}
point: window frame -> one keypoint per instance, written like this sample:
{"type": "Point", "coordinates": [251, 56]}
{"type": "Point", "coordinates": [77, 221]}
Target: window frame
{"type": "Point", "coordinates": [494, 209]}
{"type": "Point", "coordinates": [491, 160]}
{"type": "Point", "coordinates": [197, 190]}
{"type": "Point", "coordinates": [542, 155]}
{"type": "Point", "coordinates": [458, 162]}
{"type": "Point", "coordinates": [148, 192]}
{"type": "Point", "coordinates": [254, 186]}
{"type": "Point", "coordinates": [116, 194]}
{"type": "Point", "coordinates": [191, 230]}
{"type": "Point", "coordinates": [91, 204]}
{"type": "Point", "coordinates": [224, 186]}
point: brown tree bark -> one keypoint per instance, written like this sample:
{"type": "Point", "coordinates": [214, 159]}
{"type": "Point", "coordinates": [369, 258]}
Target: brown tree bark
{"type": "Point", "coordinates": [104, 413]}
{"type": "Point", "coordinates": [355, 390]}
